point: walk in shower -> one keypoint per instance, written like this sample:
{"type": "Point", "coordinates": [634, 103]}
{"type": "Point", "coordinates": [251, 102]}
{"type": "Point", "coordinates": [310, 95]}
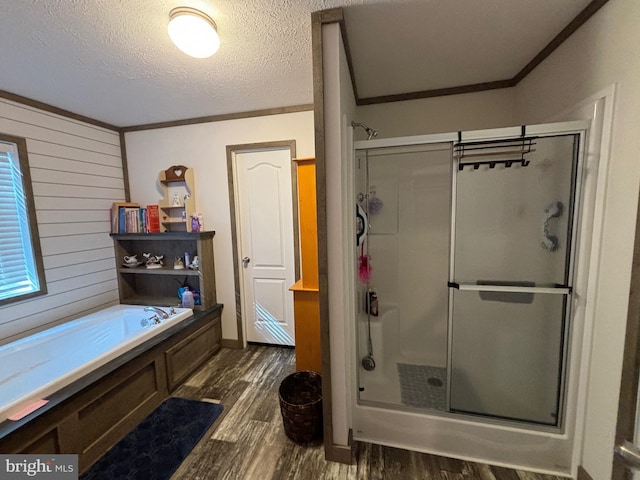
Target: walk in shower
{"type": "Point", "coordinates": [465, 260]}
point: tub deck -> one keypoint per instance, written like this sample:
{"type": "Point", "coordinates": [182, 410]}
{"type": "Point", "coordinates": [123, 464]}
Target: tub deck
{"type": "Point", "coordinates": [42, 364]}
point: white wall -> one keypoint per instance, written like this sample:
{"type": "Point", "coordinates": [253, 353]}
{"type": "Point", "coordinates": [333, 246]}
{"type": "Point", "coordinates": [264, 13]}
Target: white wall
{"type": "Point", "coordinates": [339, 106]}
{"type": "Point", "coordinates": [470, 111]}
{"type": "Point", "coordinates": [76, 173]}
{"type": "Point", "coordinates": [203, 148]}
{"type": "Point", "coordinates": [602, 52]}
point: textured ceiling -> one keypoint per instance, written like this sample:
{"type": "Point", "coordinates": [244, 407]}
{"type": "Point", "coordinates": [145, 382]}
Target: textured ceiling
{"type": "Point", "coordinates": [113, 60]}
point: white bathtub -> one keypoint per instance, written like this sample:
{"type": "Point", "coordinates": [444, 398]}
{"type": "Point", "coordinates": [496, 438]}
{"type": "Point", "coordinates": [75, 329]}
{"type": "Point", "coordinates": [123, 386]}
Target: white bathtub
{"type": "Point", "coordinates": [40, 365]}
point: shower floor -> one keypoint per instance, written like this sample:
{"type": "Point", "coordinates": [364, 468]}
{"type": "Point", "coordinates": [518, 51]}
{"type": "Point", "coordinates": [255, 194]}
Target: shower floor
{"type": "Point", "coordinates": [423, 386]}
{"type": "Point", "coordinates": [410, 385]}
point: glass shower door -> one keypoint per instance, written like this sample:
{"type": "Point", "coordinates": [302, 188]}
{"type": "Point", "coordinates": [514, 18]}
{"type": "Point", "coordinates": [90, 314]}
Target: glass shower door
{"type": "Point", "coordinates": [405, 194]}
{"type": "Point", "coordinates": [511, 277]}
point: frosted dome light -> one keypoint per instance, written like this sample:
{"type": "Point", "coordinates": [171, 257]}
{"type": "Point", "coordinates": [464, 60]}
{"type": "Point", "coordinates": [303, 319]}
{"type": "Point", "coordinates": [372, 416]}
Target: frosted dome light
{"type": "Point", "coordinates": [193, 32]}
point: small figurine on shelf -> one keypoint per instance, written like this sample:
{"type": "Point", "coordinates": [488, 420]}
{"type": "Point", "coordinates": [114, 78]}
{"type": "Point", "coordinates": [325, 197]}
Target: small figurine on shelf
{"type": "Point", "coordinates": [176, 200]}
{"type": "Point", "coordinates": [153, 261]}
{"type": "Point", "coordinates": [195, 263]}
{"type": "Point", "coordinates": [178, 264]}
{"type": "Point", "coordinates": [131, 261]}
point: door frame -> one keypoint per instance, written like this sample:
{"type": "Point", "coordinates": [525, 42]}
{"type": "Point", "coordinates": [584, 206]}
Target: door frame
{"type": "Point", "coordinates": [596, 109]}
{"type": "Point", "coordinates": [241, 342]}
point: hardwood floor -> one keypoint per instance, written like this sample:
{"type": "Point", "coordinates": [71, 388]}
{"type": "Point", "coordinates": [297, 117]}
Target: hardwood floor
{"type": "Point", "coordinates": [247, 442]}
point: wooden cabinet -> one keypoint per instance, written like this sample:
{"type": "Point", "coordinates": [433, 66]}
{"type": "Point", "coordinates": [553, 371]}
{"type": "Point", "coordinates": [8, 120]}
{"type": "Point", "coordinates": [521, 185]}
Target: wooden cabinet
{"type": "Point", "coordinates": [159, 286]}
{"type": "Point", "coordinates": [178, 204]}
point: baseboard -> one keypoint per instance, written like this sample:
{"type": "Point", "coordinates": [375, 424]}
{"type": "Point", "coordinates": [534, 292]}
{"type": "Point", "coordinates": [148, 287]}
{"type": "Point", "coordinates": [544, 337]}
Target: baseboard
{"type": "Point", "coordinates": [340, 453]}
{"type": "Point", "coordinates": [231, 343]}
{"type": "Point", "coordinates": [583, 474]}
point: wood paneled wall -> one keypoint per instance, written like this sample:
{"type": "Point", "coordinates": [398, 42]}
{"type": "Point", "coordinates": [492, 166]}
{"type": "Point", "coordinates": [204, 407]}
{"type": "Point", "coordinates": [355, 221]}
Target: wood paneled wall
{"type": "Point", "coordinates": [76, 171]}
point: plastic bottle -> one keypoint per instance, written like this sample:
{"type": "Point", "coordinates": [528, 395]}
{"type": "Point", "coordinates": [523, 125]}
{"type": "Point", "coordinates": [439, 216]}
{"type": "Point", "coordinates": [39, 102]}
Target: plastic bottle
{"type": "Point", "coordinates": [371, 304]}
{"type": "Point", "coordinates": [187, 299]}
{"type": "Point", "coordinates": [374, 304]}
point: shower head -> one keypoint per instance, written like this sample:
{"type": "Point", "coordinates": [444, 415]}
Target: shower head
{"type": "Point", "coordinates": [370, 131]}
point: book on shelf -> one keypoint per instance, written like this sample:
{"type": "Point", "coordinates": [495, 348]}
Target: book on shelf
{"type": "Point", "coordinates": [129, 217]}
{"type": "Point", "coordinates": [142, 220]}
{"type": "Point", "coordinates": [153, 218]}
{"type": "Point", "coordinates": [118, 218]}
{"type": "Point", "coordinates": [122, 220]}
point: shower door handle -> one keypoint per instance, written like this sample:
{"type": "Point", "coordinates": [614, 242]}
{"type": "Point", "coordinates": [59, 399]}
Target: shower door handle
{"type": "Point", "coordinates": [629, 454]}
{"type": "Point", "coordinates": [474, 287]}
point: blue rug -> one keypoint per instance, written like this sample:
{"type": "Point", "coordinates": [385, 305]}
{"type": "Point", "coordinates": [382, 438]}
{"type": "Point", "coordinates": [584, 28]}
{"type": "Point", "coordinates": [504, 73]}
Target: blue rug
{"type": "Point", "coordinates": [157, 446]}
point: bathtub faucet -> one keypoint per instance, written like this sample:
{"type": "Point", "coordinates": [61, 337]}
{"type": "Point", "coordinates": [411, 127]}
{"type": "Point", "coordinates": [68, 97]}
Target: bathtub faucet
{"type": "Point", "coordinates": [159, 311]}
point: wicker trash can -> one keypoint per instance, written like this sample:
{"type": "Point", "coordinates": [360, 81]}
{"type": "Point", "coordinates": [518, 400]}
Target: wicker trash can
{"type": "Point", "coordinates": [301, 407]}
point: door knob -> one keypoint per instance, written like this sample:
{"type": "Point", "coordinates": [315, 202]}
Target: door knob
{"type": "Point", "coordinates": [245, 261]}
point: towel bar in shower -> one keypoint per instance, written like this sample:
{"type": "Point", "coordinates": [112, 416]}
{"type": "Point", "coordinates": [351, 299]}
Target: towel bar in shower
{"type": "Point", "coordinates": [556, 290]}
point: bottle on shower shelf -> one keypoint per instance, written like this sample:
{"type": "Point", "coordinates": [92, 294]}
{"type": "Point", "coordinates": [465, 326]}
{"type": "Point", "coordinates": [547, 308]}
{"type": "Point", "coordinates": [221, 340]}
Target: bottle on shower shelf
{"type": "Point", "coordinates": [371, 304]}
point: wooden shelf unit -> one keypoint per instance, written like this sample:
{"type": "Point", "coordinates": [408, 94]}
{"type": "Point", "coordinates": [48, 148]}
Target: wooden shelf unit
{"type": "Point", "coordinates": [142, 286]}
{"type": "Point", "coordinates": [177, 180]}
{"type": "Point", "coordinates": [306, 296]}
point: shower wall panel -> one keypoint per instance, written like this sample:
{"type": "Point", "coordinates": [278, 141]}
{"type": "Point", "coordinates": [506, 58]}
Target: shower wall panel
{"type": "Point", "coordinates": [409, 248]}
{"type": "Point", "coordinates": [408, 245]}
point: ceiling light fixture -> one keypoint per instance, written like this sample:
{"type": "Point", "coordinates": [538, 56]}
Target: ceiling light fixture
{"type": "Point", "coordinates": [193, 32]}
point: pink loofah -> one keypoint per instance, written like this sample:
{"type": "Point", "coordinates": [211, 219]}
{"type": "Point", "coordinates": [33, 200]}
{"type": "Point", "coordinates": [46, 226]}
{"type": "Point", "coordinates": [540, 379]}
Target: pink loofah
{"type": "Point", "coordinates": [364, 269]}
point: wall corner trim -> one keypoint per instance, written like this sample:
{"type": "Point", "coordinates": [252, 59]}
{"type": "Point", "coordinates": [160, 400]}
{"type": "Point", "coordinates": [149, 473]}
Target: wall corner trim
{"type": "Point", "coordinates": [56, 110]}
{"type": "Point", "coordinates": [583, 474]}
{"type": "Point", "coordinates": [231, 343]}
{"type": "Point", "coordinates": [342, 454]}
{"type": "Point", "coordinates": [220, 118]}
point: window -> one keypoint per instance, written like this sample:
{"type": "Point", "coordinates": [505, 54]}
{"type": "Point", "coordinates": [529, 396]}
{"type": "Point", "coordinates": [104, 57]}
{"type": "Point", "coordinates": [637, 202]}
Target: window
{"type": "Point", "coordinates": [21, 268]}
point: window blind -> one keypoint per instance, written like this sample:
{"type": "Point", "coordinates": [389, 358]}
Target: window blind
{"type": "Point", "coordinates": [18, 274]}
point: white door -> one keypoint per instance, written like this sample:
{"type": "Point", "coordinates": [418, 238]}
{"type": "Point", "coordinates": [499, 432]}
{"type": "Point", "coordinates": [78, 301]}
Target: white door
{"type": "Point", "coordinates": [265, 219]}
